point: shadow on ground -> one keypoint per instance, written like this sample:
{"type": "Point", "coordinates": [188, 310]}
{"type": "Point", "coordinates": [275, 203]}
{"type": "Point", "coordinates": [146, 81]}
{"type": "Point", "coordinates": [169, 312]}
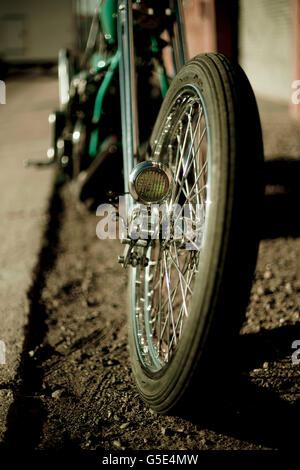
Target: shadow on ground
{"type": "Point", "coordinates": [281, 210]}
{"type": "Point", "coordinates": [26, 414]}
{"type": "Point", "coordinates": [250, 410]}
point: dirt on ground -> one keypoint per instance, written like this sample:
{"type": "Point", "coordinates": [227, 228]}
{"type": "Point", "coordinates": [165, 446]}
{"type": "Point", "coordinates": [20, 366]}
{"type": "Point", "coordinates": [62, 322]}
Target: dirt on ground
{"type": "Point", "coordinates": [75, 387]}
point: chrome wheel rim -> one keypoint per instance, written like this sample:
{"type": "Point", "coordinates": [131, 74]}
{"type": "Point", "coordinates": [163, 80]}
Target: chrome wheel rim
{"type": "Point", "coordinates": [162, 291]}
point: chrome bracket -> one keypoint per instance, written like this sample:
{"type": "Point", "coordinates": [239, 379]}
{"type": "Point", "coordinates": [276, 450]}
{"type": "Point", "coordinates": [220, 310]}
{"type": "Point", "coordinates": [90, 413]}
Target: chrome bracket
{"type": "Point", "coordinates": [134, 253]}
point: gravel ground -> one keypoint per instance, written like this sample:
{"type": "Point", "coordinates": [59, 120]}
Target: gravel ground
{"type": "Point", "coordinates": [23, 212]}
{"type": "Point", "coordinates": [77, 391]}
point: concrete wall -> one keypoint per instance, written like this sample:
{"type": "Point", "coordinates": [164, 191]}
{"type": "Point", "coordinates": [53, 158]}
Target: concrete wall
{"type": "Point", "coordinates": [265, 50]}
{"type": "Point", "coordinates": [34, 30]}
{"type": "Point", "coordinates": [85, 7]}
{"type": "Point", "coordinates": [200, 26]}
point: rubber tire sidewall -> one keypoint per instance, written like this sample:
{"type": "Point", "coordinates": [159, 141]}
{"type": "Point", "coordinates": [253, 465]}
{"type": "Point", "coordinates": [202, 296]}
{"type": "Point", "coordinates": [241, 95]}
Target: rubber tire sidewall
{"type": "Point", "coordinates": [215, 77]}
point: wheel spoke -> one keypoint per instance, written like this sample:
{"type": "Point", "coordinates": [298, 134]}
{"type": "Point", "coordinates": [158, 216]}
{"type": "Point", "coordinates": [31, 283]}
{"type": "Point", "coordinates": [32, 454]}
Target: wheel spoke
{"type": "Point", "coordinates": [181, 276]}
{"type": "Point", "coordinates": [169, 294]}
{"type": "Point", "coordinates": [185, 175]}
{"type": "Point", "coordinates": [168, 282]}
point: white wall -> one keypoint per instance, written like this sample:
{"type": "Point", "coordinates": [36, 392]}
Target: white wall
{"type": "Point", "coordinates": [86, 7]}
{"type": "Point", "coordinates": [265, 50]}
{"type": "Point", "coordinates": [34, 30]}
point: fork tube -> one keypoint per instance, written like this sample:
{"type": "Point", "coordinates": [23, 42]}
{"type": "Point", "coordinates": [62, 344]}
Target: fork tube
{"type": "Point", "coordinates": [180, 37]}
{"type": "Point", "coordinates": [129, 115]}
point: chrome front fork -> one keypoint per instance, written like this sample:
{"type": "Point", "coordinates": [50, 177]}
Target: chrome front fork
{"type": "Point", "coordinates": [129, 109]}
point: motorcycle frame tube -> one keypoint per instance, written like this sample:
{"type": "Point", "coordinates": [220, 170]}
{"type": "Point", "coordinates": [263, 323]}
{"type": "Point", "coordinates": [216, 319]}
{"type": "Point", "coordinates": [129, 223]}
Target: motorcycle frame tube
{"type": "Point", "coordinates": [180, 37]}
{"type": "Point", "coordinates": [114, 62]}
{"type": "Point", "coordinates": [129, 114]}
{"type": "Point", "coordinates": [108, 19]}
{"type": "Point", "coordinates": [177, 37]}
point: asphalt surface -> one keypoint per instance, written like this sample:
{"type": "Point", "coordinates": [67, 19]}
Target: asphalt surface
{"type": "Point", "coordinates": [23, 211]}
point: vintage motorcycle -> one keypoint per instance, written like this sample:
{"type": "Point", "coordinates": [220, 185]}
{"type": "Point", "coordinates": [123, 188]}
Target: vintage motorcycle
{"type": "Point", "coordinates": [185, 151]}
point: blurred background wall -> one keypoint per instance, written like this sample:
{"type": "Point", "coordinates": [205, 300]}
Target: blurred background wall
{"type": "Point", "coordinates": [265, 42]}
{"type": "Point", "coordinates": [264, 35]}
{"type": "Point", "coordinates": [32, 31]}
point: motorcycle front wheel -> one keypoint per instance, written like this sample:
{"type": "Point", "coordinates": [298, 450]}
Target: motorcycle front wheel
{"type": "Point", "coordinates": [188, 303]}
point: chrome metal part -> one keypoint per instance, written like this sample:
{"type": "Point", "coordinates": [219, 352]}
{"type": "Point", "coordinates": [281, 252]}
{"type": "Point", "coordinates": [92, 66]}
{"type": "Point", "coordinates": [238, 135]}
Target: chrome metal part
{"type": "Point", "coordinates": [150, 182]}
